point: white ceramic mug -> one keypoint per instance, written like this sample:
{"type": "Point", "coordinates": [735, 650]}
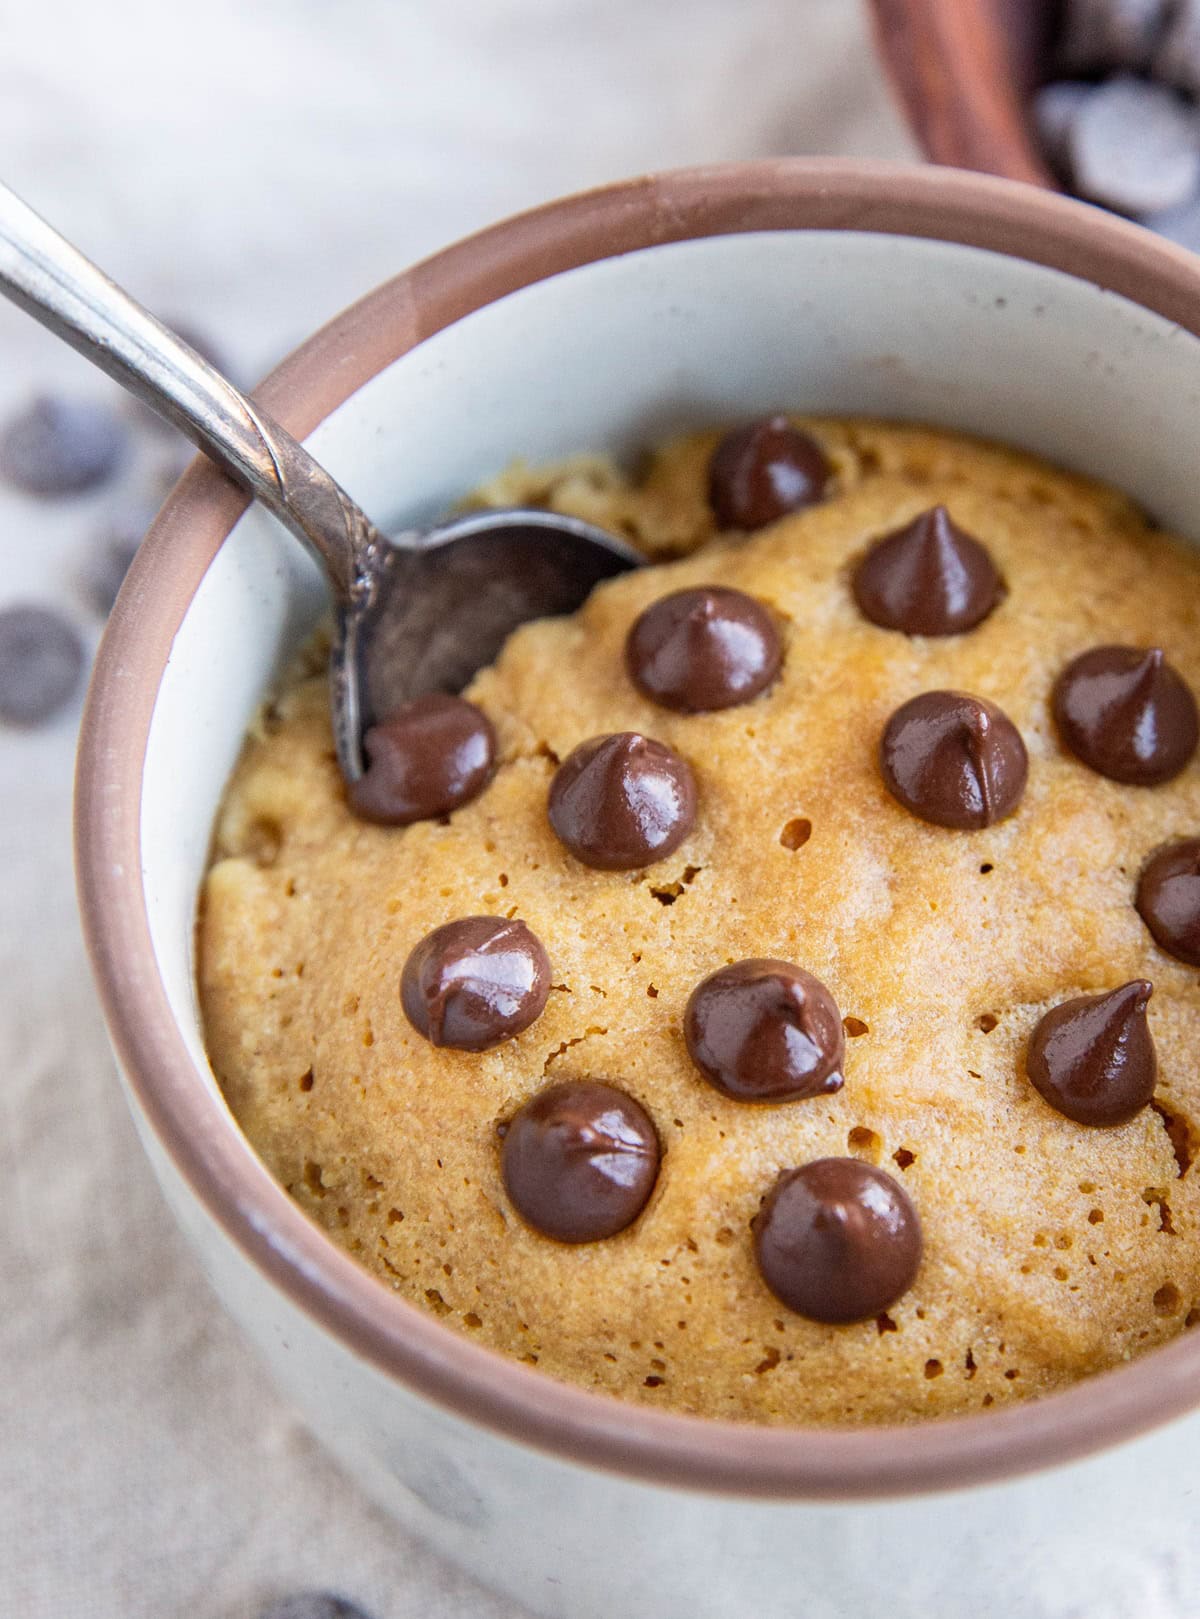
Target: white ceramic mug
{"type": "Point", "coordinates": [604, 322]}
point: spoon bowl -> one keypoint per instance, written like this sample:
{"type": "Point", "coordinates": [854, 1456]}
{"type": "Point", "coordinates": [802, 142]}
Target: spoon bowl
{"type": "Point", "coordinates": [446, 601]}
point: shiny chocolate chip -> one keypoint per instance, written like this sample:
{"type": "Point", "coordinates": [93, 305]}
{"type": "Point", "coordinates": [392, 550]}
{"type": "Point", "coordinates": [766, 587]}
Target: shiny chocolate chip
{"type": "Point", "coordinates": [1093, 1057]}
{"type": "Point", "coordinates": [928, 578]}
{"type": "Point", "coordinates": [41, 662]}
{"type": "Point", "coordinates": [1168, 898]}
{"type": "Point", "coordinates": [763, 471]}
{"type": "Point", "coordinates": [1127, 714]}
{"type": "Point", "coordinates": [619, 802]}
{"type": "Point", "coordinates": [837, 1240]}
{"type": "Point", "coordinates": [475, 982]}
{"type": "Point", "coordinates": [427, 759]}
{"type": "Point", "coordinates": [579, 1161]}
{"type": "Point", "coordinates": [703, 649]}
{"type": "Point", "coordinates": [61, 447]}
{"type": "Point", "coordinates": [954, 760]}
{"type": "Point", "coordinates": [765, 1031]}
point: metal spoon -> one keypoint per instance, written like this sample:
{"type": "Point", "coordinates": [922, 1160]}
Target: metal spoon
{"type": "Point", "coordinates": [414, 612]}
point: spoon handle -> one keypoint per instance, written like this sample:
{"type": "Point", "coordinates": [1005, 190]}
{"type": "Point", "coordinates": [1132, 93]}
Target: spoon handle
{"type": "Point", "coordinates": [58, 286]}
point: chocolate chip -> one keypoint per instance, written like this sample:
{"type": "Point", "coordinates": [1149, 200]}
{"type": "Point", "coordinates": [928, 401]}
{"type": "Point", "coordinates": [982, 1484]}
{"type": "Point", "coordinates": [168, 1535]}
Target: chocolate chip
{"type": "Point", "coordinates": [579, 1161]}
{"type": "Point", "coordinates": [1127, 714]}
{"type": "Point", "coordinates": [1168, 898]}
{"type": "Point", "coordinates": [1055, 109]}
{"type": "Point", "coordinates": [1110, 33]}
{"type": "Point", "coordinates": [703, 649]}
{"type": "Point", "coordinates": [1135, 146]}
{"type": "Point", "coordinates": [620, 802]}
{"type": "Point", "coordinates": [765, 1031]}
{"type": "Point", "coordinates": [761, 472]}
{"type": "Point", "coordinates": [837, 1240]}
{"type": "Point", "coordinates": [41, 660]}
{"type": "Point", "coordinates": [475, 982]}
{"type": "Point", "coordinates": [314, 1605]}
{"type": "Point", "coordinates": [1093, 1058]}
{"type": "Point", "coordinates": [927, 578]}
{"type": "Point", "coordinates": [954, 760]}
{"type": "Point", "coordinates": [427, 759]}
{"type": "Point", "coordinates": [61, 447]}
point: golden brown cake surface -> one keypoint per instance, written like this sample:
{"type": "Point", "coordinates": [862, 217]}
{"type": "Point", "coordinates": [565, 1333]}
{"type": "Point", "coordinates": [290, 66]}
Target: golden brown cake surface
{"type": "Point", "coordinates": [1051, 1249]}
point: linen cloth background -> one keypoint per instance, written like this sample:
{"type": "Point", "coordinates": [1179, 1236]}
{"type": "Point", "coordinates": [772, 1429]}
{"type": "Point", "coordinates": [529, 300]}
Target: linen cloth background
{"type": "Point", "coordinates": [252, 168]}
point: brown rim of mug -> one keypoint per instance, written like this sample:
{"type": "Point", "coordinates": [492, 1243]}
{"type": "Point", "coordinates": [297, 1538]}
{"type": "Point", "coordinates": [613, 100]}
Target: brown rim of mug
{"type": "Point", "coordinates": [188, 1121]}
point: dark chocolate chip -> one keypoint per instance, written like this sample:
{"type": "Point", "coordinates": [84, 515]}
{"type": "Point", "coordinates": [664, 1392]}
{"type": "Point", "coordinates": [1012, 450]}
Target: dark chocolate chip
{"type": "Point", "coordinates": [703, 649]}
{"type": "Point", "coordinates": [1093, 1057]}
{"type": "Point", "coordinates": [475, 982]}
{"type": "Point", "coordinates": [41, 660]}
{"type": "Point", "coordinates": [928, 578]}
{"type": "Point", "coordinates": [314, 1605]}
{"type": "Point", "coordinates": [1168, 898]}
{"type": "Point", "coordinates": [954, 760]}
{"type": "Point", "coordinates": [765, 1031]}
{"type": "Point", "coordinates": [579, 1161]}
{"type": "Point", "coordinates": [619, 802]}
{"type": "Point", "coordinates": [1127, 714]}
{"type": "Point", "coordinates": [763, 471]}
{"type": "Point", "coordinates": [61, 446]}
{"type": "Point", "coordinates": [426, 759]}
{"type": "Point", "coordinates": [837, 1240]}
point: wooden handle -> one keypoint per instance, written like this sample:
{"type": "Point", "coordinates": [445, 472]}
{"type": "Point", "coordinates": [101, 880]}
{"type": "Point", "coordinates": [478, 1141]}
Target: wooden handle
{"type": "Point", "coordinates": [956, 68]}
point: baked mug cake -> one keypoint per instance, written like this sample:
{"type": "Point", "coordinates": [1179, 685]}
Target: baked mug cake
{"type": "Point", "coordinates": [767, 993]}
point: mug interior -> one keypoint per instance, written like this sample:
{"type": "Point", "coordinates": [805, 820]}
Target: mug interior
{"type": "Point", "coordinates": [923, 317]}
{"type": "Point", "coordinates": [615, 355]}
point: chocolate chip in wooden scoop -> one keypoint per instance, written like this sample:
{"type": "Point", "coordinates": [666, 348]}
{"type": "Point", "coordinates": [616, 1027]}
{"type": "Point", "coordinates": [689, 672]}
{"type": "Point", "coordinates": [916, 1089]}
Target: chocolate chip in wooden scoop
{"type": "Point", "coordinates": [1135, 147]}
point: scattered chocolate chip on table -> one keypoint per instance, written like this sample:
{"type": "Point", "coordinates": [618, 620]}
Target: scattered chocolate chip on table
{"type": "Point", "coordinates": [56, 447]}
{"type": "Point", "coordinates": [41, 663]}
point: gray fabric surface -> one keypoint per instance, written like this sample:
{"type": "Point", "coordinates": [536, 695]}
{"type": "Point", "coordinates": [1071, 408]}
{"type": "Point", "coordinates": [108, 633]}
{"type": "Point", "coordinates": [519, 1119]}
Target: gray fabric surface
{"type": "Point", "coordinates": [252, 169]}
